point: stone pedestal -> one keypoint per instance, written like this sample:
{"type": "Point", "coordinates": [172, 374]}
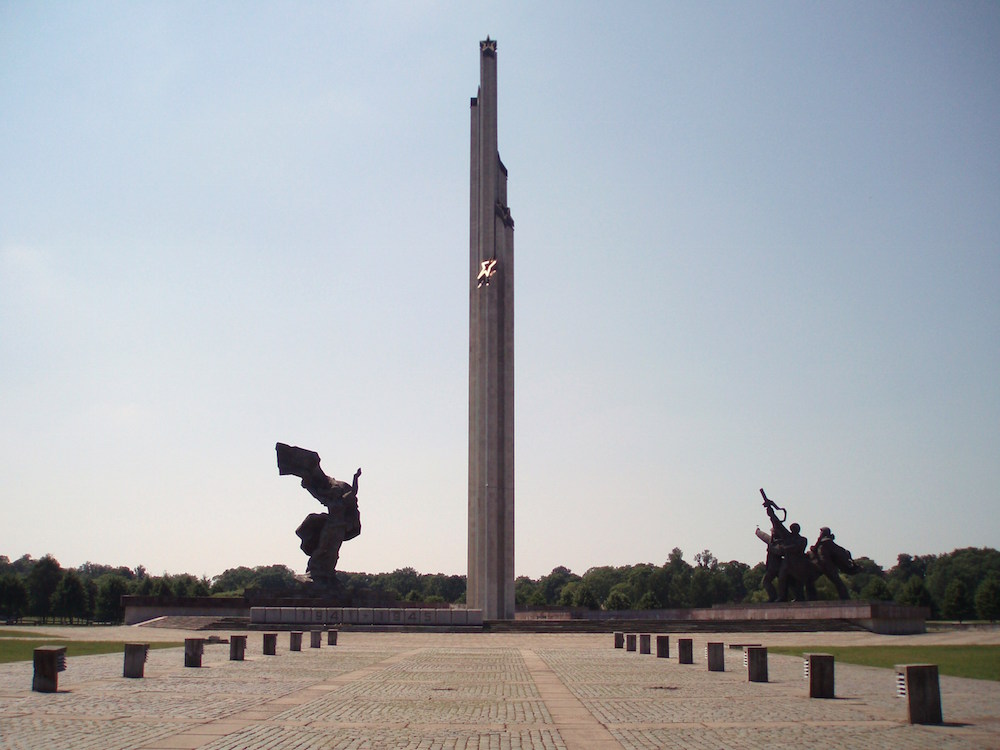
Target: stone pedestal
{"type": "Point", "coordinates": [331, 637]}
{"type": "Point", "coordinates": [820, 668]}
{"type": "Point", "coordinates": [270, 644]}
{"type": "Point", "coordinates": [644, 639]}
{"type": "Point", "coordinates": [49, 661]}
{"type": "Point", "coordinates": [619, 639]}
{"type": "Point", "coordinates": [193, 649]}
{"type": "Point", "coordinates": [135, 660]}
{"type": "Point", "coordinates": [237, 647]}
{"type": "Point", "coordinates": [716, 657]}
{"type": "Point", "coordinates": [923, 692]}
{"type": "Point", "coordinates": [685, 651]}
{"type": "Point", "coordinates": [663, 647]}
{"type": "Point", "coordinates": [630, 641]}
{"type": "Point", "coordinates": [756, 663]}
{"type": "Point", "coordinates": [315, 639]}
{"type": "Point", "coordinates": [295, 640]}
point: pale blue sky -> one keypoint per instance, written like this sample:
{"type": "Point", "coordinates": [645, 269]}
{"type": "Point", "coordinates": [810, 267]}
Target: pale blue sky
{"type": "Point", "coordinates": [758, 244]}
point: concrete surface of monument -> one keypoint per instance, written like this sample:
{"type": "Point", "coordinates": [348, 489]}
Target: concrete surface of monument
{"type": "Point", "coordinates": [491, 359]}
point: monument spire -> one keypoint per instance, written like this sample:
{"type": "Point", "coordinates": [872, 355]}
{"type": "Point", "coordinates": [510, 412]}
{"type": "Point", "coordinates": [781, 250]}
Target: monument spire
{"type": "Point", "coordinates": [491, 359]}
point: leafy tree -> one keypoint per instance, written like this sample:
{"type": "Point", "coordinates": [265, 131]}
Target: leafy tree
{"type": "Point", "coordinates": [42, 582]}
{"type": "Point", "coordinates": [70, 597]}
{"type": "Point", "coordinates": [233, 580]}
{"type": "Point", "coordinates": [705, 559]}
{"type": "Point", "coordinates": [524, 590]}
{"type": "Point", "coordinates": [914, 593]}
{"type": "Point", "coordinates": [877, 590]}
{"type": "Point", "coordinates": [553, 583]}
{"type": "Point", "coordinates": [601, 579]}
{"type": "Point", "coordinates": [956, 604]}
{"type": "Point", "coordinates": [988, 599]}
{"type": "Point", "coordinates": [659, 584]}
{"type": "Point", "coordinates": [970, 565]}
{"type": "Point", "coordinates": [13, 596]}
{"type": "Point", "coordinates": [275, 578]}
{"type": "Point", "coordinates": [869, 570]}
{"type": "Point", "coordinates": [110, 590]}
{"type": "Point", "coordinates": [584, 598]}
{"type": "Point", "coordinates": [648, 601]}
{"type": "Point", "coordinates": [753, 580]}
{"type": "Point", "coordinates": [567, 593]}
{"type": "Point", "coordinates": [618, 598]}
{"type": "Point", "coordinates": [701, 588]}
{"type": "Point", "coordinates": [734, 573]}
{"type": "Point", "coordinates": [22, 565]}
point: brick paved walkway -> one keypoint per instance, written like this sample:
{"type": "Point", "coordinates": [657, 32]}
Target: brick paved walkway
{"type": "Point", "coordinates": [482, 691]}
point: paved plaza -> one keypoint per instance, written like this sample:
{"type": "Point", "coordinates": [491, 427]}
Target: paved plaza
{"type": "Point", "coordinates": [483, 691]}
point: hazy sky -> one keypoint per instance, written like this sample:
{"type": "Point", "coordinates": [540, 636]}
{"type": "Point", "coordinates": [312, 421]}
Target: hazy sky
{"type": "Point", "coordinates": [758, 245]}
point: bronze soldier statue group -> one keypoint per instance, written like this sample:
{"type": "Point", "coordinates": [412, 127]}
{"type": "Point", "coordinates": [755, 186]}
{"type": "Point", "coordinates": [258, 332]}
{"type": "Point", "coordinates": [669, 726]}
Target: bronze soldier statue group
{"type": "Point", "coordinates": [796, 568]}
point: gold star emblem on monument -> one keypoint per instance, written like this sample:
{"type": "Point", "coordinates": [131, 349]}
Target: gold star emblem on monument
{"type": "Point", "coordinates": [486, 269]}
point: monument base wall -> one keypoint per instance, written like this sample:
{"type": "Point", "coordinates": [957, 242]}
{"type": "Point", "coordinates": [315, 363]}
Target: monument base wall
{"type": "Point", "coordinates": [877, 617]}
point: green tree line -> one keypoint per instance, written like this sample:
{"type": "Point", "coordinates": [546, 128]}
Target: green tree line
{"type": "Point", "coordinates": [959, 585]}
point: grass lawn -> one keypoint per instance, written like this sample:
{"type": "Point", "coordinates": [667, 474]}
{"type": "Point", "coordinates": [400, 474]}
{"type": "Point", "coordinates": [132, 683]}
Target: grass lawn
{"type": "Point", "coordinates": [978, 662]}
{"type": "Point", "coordinates": [22, 650]}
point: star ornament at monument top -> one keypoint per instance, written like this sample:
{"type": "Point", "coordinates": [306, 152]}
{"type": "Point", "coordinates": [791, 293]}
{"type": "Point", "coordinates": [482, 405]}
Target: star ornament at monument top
{"type": "Point", "coordinates": [486, 269]}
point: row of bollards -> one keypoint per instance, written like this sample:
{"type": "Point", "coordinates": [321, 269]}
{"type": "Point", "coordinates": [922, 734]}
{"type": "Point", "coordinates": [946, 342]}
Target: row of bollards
{"type": "Point", "coordinates": [49, 661]}
{"type": "Point", "coordinates": [918, 683]}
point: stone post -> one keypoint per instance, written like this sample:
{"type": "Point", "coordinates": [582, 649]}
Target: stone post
{"type": "Point", "coordinates": [644, 643]}
{"type": "Point", "coordinates": [757, 663]}
{"type": "Point", "coordinates": [315, 639]}
{"type": "Point", "coordinates": [685, 651]}
{"type": "Point", "coordinates": [923, 693]}
{"type": "Point", "coordinates": [135, 659]}
{"type": "Point", "coordinates": [49, 662]}
{"type": "Point", "coordinates": [630, 641]}
{"type": "Point", "coordinates": [237, 647]}
{"type": "Point", "coordinates": [295, 640]}
{"type": "Point", "coordinates": [270, 644]}
{"type": "Point", "coordinates": [716, 657]}
{"type": "Point", "coordinates": [820, 675]}
{"type": "Point", "coordinates": [619, 639]}
{"type": "Point", "coordinates": [193, 649]}
{"type": "Point", "coordinates": [663, 647]}
{"type": "Point", "coordinates": [331, 637]}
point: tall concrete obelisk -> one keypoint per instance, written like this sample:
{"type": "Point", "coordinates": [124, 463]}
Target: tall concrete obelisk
{"type": "Point", "coordinates": [491, 360]}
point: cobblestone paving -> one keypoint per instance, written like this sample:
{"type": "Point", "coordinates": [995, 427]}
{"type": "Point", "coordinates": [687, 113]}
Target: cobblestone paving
{"type": "Point", "coordinates": [412, 738]}
{"type": "Point", "coordinates": [440, 692]}
{"type": "Point", "coordinates": [38, 732]}
{"type": "Point", "coordinates": [650, 703]}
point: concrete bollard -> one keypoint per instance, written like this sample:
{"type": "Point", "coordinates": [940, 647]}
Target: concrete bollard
{"type": "Point", "coordinates": [315, 639]}
{"type": "Point", "coordinates": [820, 673]}
{"type": "Point", "coordinates": [295, 640]}
{"type": "Point", "coordinates": [619, 639]}
{"type": "Point", "coordinates": [644, 639]}
{"type": "Point", "coordinates": [135, 659]}
{"type": "Point", "coordinates": [270, 644]}
{"type": "Point", "coordinates": [237, 647]}
{"type": "Point", "coordinates": [663, 647]}
{"type": "Point", "coordinates": [630, 642]}
{"type": "Point", "coordinates": [923, 692]}
{"type": "Point", "coordinates": [685, 651]}
{"type": "Point", "coordinates": [756, 663]}
{"type": "Point", "coordinates": [193, 649]}
{"type": "Point", "coordinates": [716, 657]}
{"type": "Point", "coordinates": [49, 662]}
{"type": "Point", "coordinates": [331, 637]}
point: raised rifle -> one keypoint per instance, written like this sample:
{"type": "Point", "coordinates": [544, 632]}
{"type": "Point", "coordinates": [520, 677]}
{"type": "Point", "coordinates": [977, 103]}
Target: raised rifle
{"type": "Point", "coordinates": [774, 506]}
